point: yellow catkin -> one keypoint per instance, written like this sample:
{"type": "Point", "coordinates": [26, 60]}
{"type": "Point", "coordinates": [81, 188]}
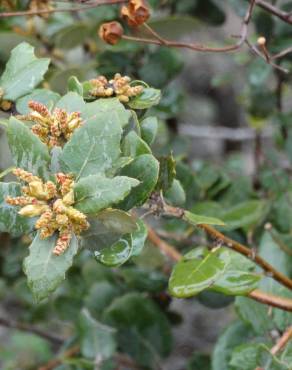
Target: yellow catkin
{"type": "Point", "coordinates": [119, 86]}
{"type": "Point", "coordinates": [55, 128]}
{"type": "Point", "coordinates": [53, 203]}
{"type": "Point", "coordinates": [19, 201]}
{"type": "Point", "coordinates": [25, 176]}
{"type": "Point", "coordinates": [63, 242]}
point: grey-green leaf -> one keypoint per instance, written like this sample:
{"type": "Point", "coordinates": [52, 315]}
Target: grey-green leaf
{"type": "Point", "coordinates": [44, 96]}
{"type": "Point", "coordinates": [44, 270]}
{"type": "Point", "coordinates": [95, 146]}
{"type": "Point", "coordinates": [96, 339]}
{"type": "Point", "coordinates": [109, 105]}
{"type": "Point", "coordinates": [94, 193]}
{"type": "Point", "coordinates": [28, 152]}
{"type": "Point", "coordinates": [71, 102]}
{"type": "Point", "coordinates": [23, 72]}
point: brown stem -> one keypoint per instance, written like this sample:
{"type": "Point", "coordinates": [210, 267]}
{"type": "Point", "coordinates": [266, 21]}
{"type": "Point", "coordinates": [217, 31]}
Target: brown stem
{"type": "Point", "coordinates": [258, 295]}
{"type": "Point", "coordinates": [50, 11]}
{"type": "Point", "coordinates": [286, 337]}
{"type": "Point", "coordinates": [286, 17]}
{"type": "Point", "coordinates": [271, 300]}
{"type": "Point", "coordinates": [167, 249]}
{"type": "Point", "coordinates": [71, 352]}
{"type": "Point", "coordinates": [31, 329]}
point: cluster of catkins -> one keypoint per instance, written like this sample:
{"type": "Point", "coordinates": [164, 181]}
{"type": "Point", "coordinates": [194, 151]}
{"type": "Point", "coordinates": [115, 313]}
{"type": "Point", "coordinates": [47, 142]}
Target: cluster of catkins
{"type": "Point", "coordinates": [53, 203]}
{"type": "Point", "coordinates": [119, 86]}
{"type": "Point", "coordinates": [54, 129]}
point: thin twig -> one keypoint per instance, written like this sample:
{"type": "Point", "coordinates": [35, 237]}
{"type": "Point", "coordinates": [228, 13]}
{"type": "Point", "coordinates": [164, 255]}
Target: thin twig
{"type": "Point", "coordinates": [282, 342]}
{"type": "Point", "coordinates": [31, 329]}
{"type": "Point", "coordinates": [61, 10]}
{"type": "Point", "coordinates": [284, 16]}
{"type": "Point", "coordinates": [167, 249]}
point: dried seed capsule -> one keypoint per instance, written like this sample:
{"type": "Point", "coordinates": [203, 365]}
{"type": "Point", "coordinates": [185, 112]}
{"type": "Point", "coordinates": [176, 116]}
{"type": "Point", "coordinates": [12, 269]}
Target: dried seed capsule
{"type": "Point", "coordinates": [111, 32]}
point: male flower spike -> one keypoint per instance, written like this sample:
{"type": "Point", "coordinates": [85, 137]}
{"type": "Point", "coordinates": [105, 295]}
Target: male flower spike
{"type": "Point", "coordinates": [53, 203]}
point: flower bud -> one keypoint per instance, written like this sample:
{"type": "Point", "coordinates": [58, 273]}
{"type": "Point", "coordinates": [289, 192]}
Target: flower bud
{"type": "Point", "coordinates": [36, 189]}
{"type": "Point", "coordinates": [68, 199]}
{"type": "Point", "coordinates": [33, 210]}
{"type": "Point", "coordinates": [111, 32]}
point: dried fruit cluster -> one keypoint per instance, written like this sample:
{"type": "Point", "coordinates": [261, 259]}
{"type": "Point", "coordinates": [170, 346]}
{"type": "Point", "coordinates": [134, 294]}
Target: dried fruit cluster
{"type": "Point", "coordinates": [53, 204]}
{"type": "Point", "coordinates": [119, 87]}
{"type": "Point", "coordinates": [135, 13]}
{"type": "Point", "coordinates": [54, 129]}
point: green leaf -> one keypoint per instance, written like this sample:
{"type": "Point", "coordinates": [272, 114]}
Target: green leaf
{"type": "Point", "coordinates": [98, 236]}
{"type": "Point", "coordinates": [142, 279]}
{"type": "Point", "coordinates": [254, 314]}
{"type": "Point", "coordinates": [176, 194]}
{"type": "Point", "coordinates": [94, 193]}
{"type": "Point", "coordinates": [166, 172]}
{"type": "Point", "coordinates": [96, 340]}
{"type": "Point", "coordinates": [146, 99]}
{"type": "Point", "coordinates": [44, 96]}
{"type": "Point", "coordinates": [94, 147]}
{"type": "Point", "coordinates": [116, 254]}
{"type": "Point", "coordinates": [143, 330]}
{"type": "Point", "coordinates": [44, 270]}
{"type": "Point", "coordinates": [245, 214]}
{"type": "Point", "coordinates": [199, 219]}
{"type": "Point", "coordinates": [236, 334]}
{"type": "Point", "coordinates": [198, 270]}
{"type": "Point", "coordinates": [145, 168]}
{"type": "Point", "coordinates": [139, 237]}
{"type": "Point", "coordinates": [271, 251]}
{"type": "Point", "coordinates": [71, 36]}
{"type": "Point", "coordinates": [237, 278]}
{"type": "Point", "coordinates": [10, 221]}
{"type": "Point", "coordinates": [133, 145]}
{"type": "Point", "coordinates": [75, 85]}
{"type": "Point", "coordinates": [23, 72]}
{"type": "Point", "coordinates": [28, 152]}
{"type": "Point", "coordinates": [149, 128]}
{"type": "Point", "coordinates": [117, 221]}
{"type": "Point", "coordinates": [254, 356]}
